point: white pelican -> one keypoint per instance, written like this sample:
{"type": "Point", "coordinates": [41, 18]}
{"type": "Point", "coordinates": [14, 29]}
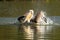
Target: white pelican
{"type": "Point", "coordinates": [26, 17]}
{"type": "Point", "coordinates": [40, 18]}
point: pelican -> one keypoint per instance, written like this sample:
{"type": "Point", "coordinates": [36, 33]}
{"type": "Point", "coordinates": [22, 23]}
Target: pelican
{"type": "Point", "coordinates": [40, 18]}
{"type": "Point", "coordinates": [26, 17]}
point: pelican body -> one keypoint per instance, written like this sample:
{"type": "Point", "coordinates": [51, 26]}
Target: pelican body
{"type": "Point", "coordinates": [39, 18]}
{"type": "Point", "coordinates": [26, 17]}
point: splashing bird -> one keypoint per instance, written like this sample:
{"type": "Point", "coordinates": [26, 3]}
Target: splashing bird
{"type": "Point", "coordinates": [26, 17]}
{"type": "Point", "coordinates": [40, 18]}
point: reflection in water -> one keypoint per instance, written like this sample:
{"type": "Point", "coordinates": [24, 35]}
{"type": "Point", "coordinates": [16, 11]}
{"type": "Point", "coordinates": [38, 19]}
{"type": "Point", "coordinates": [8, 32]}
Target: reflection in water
{"type": "Point", "coordinates": [34, 32]}
{"type": "Point", "coordinates": [29, 32]}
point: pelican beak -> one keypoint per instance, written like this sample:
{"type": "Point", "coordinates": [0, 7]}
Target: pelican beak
{"type": "Point", "coordinates": [45, 19]}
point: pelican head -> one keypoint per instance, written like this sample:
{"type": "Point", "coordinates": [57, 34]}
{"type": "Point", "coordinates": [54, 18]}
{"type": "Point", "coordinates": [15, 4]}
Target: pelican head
{"type": "Point", "coordinates": [32, 11]}
{"type": "Point", "coordinates": [42, 13]}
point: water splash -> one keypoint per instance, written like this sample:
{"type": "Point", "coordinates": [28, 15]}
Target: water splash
{"type": "Point", "coordinates": [53, 20]}
{"type": "Point", "coordinates": [49, 21]}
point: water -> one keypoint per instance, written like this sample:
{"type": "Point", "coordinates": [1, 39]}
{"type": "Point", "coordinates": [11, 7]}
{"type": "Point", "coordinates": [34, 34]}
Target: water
{"type": "Point", "coordinates": [29, 32]}
{"type": "Point", "coordinates": [10, 29]}
{"type": "Point", "coordinates": [54, 20]}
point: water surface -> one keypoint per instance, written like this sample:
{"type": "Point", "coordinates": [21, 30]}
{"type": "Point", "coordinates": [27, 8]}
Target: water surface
{"type": "Point", "coordinates": [29, 32]}
{"type": "Point", "coordinates": [10, 29]}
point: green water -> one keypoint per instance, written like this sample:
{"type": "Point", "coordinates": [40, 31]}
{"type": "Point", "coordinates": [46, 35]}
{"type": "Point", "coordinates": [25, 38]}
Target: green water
{"type": "Point", "coordinates": [12, 9]}
{"type": "Point", "coordinates": [29, 32]}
